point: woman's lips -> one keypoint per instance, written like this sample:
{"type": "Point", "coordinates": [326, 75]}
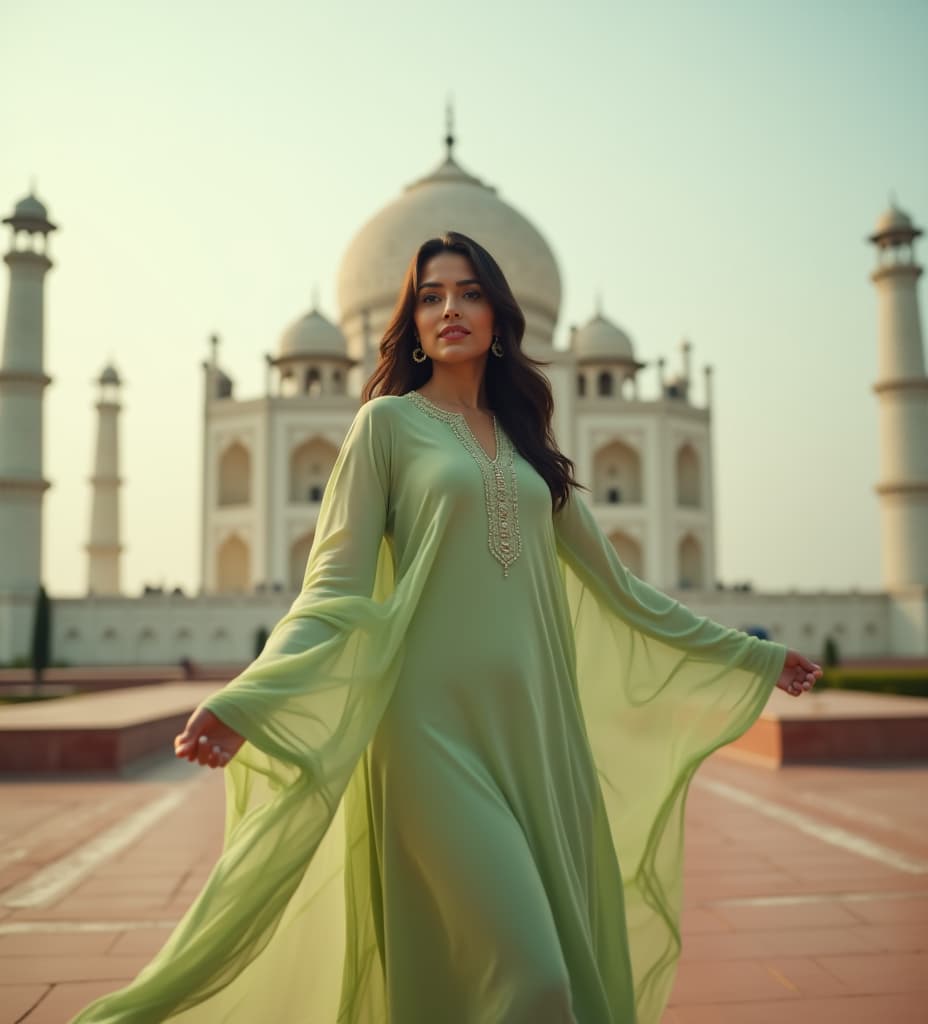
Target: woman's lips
{"type": "Point", "coordinates": [453, 333]}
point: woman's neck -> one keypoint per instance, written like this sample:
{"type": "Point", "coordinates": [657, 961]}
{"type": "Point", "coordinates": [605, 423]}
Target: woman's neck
{"type": "Point", "coordinates": [463, 386]}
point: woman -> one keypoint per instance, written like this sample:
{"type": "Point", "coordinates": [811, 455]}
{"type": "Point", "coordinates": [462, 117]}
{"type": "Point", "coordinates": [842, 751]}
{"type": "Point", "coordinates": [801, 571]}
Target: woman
{"type": "Point", "coordinates": [509, 714]}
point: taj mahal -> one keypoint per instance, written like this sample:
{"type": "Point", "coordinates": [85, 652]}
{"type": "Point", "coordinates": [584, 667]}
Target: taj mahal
{"type": "Point", "coordinates": [640, 436]}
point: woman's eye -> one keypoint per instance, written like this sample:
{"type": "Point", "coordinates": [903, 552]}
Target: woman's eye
{"type": "Point", "coordinates": [472, 295]}
{"type": "Point", "coordinates": [428, 298]}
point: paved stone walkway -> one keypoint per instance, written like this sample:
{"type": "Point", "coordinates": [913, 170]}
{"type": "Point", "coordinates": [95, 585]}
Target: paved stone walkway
{"type": "Point", "coordinates": [806, 890]}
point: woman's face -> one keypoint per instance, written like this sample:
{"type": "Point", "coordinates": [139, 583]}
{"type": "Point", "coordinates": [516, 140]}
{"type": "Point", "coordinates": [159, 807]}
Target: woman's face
{"type": "Point", "coordinates": [453, 319]}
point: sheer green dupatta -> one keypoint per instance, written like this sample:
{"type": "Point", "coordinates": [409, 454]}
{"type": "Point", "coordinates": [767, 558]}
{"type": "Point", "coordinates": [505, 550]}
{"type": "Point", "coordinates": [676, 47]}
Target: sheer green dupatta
{"type": "Point", "coordinates": [307, 706]}
{"type": "Point", "coordinates": [661, 688]}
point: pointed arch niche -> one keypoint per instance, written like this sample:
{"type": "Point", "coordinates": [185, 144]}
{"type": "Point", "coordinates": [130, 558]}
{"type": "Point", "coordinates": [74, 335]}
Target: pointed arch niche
{"type": "Point", "coordinates": [72, 645]}
{"type": "Point", "coordinates": [299, 555]}
{"type": "Point", "coordinates": [182, 644]}
{"type": "Point", "coordinates": [689, 489]}
{"type": "Point", "coordinates": [232, 566]}
{"type": "Point", "coordinates": [690, 563]}
{"type": "Point", "coordinates": [110, 647]}
{"type": "Point", "coordinates": [146, 646]}
{"type": "Point", "coordinates": [617, 474]}
{"type": "Point", "coordinates": [235, 475]}
{"type": "Point", "coordinates": [311, 464]}
{"type": "Point", "coordinates": [629, 552]}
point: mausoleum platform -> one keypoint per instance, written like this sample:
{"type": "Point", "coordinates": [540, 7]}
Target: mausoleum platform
{"type": "Point", "coordinates": [835, 725]}
{"type": "Point", "coordinates": [95, 732]}
{"type": "Point", "coordinates": [105, 732]}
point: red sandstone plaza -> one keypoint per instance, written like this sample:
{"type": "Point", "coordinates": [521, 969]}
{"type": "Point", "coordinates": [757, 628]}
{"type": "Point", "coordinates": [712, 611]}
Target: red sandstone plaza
{"type": "Point", "coordinates": [806, 883]}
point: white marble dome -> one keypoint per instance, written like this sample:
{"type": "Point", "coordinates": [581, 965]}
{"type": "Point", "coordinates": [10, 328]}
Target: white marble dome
{"type": "Point", "coordinates": [312, 336]}
{"type": "Point", "coordinates": [449, 199]}
{"type": "Point", "coordinates": [599, 340]}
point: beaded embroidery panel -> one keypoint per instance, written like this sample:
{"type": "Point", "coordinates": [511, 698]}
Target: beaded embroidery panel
{"type": "Point", "coordinates": [499, 481]}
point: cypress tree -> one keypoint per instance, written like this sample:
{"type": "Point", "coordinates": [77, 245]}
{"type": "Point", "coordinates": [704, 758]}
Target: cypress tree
{"type": "Point", "coordinates": [261, 635]}
{"type": "Point", "coordinates": [830, 655]}
{"type": "Point", "coordinates": [41, 637]}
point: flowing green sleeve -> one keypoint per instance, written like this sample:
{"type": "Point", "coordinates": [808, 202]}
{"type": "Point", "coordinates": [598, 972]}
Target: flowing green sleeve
{"type": "Point", "coordinates": [335, 598]}
{"type": "Point", "coordinates": [593, 558]}
{"type": "Point", "coordinates": [307, 707]}
{"type": "Point", "coordinates": [661, 689]}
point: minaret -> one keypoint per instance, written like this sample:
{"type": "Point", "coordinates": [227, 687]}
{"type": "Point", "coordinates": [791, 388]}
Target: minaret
{"type": "Point", "coordinates": [210, 392]}
{"type": "Point", "coordinates": [686, 347]}
{"type": "Point", "coordinates": [902, 393]}
{"type": "Point", "coordinates": [103, 548]}
{"type": "Point", "coordinates": [22, 385]}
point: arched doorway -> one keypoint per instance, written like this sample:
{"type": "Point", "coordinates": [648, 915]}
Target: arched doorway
{"type": "Point", "coordinates": [235, 475]}
{"type": "Point", "coordinates": [617, 475]}
{"type": "Point", "coordinates": [690, 563]}
{"type": "Point", "coordinates": [233, 570]}
{"type": "Point", "coordinates": [310, 466]}
{"type": "Point", "coordinates": [688, 478]}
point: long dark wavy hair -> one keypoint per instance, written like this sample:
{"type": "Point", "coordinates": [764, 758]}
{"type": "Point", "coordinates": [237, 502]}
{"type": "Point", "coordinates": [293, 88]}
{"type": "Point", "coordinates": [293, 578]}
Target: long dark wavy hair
{"type": "Point", "coordinates": [518, 392]}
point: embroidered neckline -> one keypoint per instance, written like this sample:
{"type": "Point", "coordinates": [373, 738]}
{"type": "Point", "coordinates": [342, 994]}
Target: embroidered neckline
{"type": "Point", "coordinates": [440, 413]}
{"type": "Point", "coordinates": [504, 538]}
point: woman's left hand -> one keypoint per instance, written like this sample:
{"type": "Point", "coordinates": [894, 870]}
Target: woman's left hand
{"type": "Point", "coordinates": [207, 740]}
{"type": "Point", "coordinates": [799, 674]}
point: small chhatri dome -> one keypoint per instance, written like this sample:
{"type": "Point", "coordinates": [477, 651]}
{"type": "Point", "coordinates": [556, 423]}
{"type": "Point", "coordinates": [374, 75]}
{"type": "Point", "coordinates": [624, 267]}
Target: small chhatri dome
{"type": "Point", "coordinates": [30, 214]}
{"type": "Point", "coordinates": [893, 219]}
{"type": "Point", "coordinates": [312, 335]}
{"type": "Point", "coordinates": [599, 340]}
{"type": "Point", "coordinates": [894, 224]}
{"type": "Point", "coordinates": [109, 375]}
{"type": "Point", "coordinates": [31, 206]}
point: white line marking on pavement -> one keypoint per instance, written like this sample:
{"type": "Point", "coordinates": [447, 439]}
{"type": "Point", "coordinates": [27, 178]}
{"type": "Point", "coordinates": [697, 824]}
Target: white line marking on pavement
{"type": "Point", "coordinates": [840, 837]}
{"type": "Point", "coordinates": [57, 878]}
{"type": "Point", "coordinates": [845, 809]}
{"type": "Point", "coordinates": [11, 856]}
{"type": "Point", "coordinates": [812, 897]}
{"type": "Point", "coordinates": [59, 927]}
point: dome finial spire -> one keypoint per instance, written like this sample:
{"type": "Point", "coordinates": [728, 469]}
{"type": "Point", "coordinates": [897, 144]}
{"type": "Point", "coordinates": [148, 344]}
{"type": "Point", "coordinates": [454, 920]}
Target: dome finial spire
{"type": "Point", "coordinates": [598, 302]}
{"type": "Point", "coordinates": [315, 296]}
{"type": "Point", "coordinates": [449, 127]}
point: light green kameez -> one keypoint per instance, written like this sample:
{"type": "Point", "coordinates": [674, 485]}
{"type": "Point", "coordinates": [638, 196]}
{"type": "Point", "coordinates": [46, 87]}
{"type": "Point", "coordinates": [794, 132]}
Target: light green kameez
{"type": "Point", "coordinates": [470, 717]}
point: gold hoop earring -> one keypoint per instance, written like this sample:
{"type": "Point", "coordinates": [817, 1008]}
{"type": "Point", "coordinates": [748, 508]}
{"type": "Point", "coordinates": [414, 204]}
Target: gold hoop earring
{"type": "Point", "coordinates": [418, 354]}
{"type": "Point", "coordinates": [497, 347]}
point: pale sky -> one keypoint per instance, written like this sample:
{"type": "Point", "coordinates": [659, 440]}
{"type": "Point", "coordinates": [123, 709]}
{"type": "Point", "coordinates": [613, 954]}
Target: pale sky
{"type": "Point", "coordinates": [710, 168]}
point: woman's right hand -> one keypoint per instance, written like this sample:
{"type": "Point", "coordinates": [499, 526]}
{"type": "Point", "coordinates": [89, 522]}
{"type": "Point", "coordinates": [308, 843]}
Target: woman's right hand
{"type": "Point", "coordinates": [207, 740]}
